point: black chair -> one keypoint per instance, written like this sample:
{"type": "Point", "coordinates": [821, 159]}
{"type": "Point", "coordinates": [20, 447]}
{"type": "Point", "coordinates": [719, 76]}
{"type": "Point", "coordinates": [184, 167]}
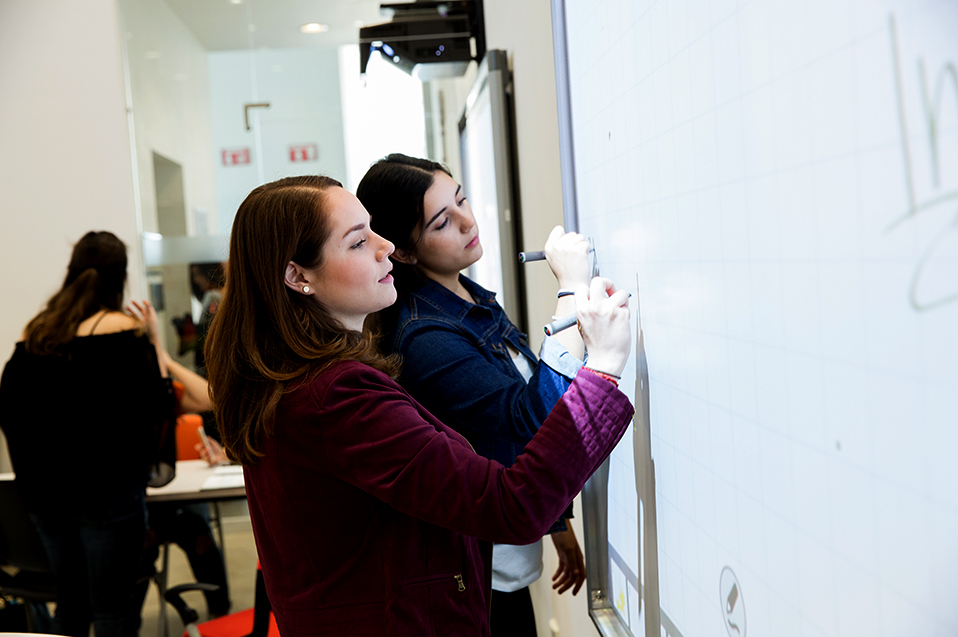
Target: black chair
{"type": "Point", "coordinates": [252, 622]}
{"type": "Point", "coordinates": [22, 552]}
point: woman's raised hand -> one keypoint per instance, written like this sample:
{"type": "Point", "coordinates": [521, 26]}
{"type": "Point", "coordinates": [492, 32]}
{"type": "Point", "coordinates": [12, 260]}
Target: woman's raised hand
{"type": "Point", "coordinates": [568, 255]}
{"type": "Point", "coordinates": [602, 313]}
{"type": "Point", "coordinates": [218, 456]}
{"type": "Point", "coordinates": [146, 314]}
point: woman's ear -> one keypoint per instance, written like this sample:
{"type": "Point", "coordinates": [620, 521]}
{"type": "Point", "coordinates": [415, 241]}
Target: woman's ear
{"type": "Point", "coordinates": [404, 256]}
{"type": "Point", "coordinates": [296, 279]}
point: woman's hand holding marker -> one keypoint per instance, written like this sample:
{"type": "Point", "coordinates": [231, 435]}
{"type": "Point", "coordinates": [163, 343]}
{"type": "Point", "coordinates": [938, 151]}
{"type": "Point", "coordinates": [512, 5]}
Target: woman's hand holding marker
{"type": "Point", "coordinates": [568, 255]}
{"type": "Point", "coordinates": [602, 313]}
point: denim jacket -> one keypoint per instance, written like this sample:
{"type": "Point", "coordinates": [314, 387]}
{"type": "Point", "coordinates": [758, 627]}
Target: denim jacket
{"type": "Point", "coordinates": [456, 363]}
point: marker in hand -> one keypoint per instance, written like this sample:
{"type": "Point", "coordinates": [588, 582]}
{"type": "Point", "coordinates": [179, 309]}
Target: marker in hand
{"type": "Point", "coordinates": [560, 324]}
{"type": "Point", "coordinates": [538, 255]}
{"type": "Point", "coordinates": [206, 443]}
{"type": "Point", "coordinates": [563, 323]}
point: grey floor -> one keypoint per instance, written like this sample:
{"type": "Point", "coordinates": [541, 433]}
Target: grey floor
{"type": "Point", "coordinates": [240, 568]}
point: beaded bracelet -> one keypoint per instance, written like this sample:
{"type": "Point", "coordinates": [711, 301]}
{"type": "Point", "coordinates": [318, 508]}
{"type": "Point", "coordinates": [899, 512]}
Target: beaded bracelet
{"type": "Point", "coordinates": [612, 378]}
{"type": "Point", "coordinates": [565, 292]}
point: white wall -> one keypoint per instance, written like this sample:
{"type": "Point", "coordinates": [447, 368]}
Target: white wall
{"type": "Point", "coordinates": [302, 88]}
{"type": "Point", "coordinates": [382, 113]}
{"type": "Point", "coordinates": [170, 94]}
{"type": "Point", "coordinates": [169, 84]}
{"type": "Point", "coordinates": [447, 100]}
{"type": "Point", "coordinates": [65, 163]}
{"type": "Point", "coordinates": [524, 30]}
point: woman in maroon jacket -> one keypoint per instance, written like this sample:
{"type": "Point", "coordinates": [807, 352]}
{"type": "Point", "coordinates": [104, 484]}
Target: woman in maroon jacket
{"type": "Point", "coordinates": [366, 509]}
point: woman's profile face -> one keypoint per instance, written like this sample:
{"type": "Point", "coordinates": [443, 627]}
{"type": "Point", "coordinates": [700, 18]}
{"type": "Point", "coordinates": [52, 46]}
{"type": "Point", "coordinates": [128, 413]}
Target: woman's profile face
{"type": "Point", "coordinates": [353, 279]}
{"type": "Point", "coordinates": [447, 239]}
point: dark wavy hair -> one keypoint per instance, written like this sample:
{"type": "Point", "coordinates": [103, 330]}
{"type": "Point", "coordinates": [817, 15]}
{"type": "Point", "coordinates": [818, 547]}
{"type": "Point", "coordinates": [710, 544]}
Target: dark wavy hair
{"type": "Point", "coordinates": [94, 281]}
{"type": "Point", "coordinates": [265, 335]}
{"type": "Point", "coordinates": [392, 191]}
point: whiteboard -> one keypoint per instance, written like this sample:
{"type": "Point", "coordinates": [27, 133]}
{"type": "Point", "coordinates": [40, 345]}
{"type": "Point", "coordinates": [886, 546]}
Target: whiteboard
{"type": "Point", "coordinates": [776, 183]}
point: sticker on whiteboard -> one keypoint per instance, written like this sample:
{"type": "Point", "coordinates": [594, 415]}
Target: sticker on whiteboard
{"type": "Point", "coordinates": [733, 606]}
{"type": "Point", "coordinates": [620, 593]}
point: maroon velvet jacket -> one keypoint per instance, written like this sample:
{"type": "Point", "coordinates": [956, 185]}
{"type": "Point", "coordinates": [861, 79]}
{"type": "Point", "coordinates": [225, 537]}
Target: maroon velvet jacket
{"type": "Point", "coordinates": [366, 509]}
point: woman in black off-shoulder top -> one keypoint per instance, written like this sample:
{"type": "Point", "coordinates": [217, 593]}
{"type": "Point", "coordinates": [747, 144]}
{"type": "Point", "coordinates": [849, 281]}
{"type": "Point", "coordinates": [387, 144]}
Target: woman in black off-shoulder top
{"type": "Point", "coordinates": [79, 401]}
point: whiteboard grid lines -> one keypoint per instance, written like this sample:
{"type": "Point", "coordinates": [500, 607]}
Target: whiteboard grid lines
{"type": "Point", "coordinates": [791, 384]}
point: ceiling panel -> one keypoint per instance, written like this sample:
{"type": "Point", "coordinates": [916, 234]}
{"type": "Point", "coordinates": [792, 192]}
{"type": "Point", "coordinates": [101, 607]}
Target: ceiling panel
{"type": "Point", "coordinates": [220, 25]}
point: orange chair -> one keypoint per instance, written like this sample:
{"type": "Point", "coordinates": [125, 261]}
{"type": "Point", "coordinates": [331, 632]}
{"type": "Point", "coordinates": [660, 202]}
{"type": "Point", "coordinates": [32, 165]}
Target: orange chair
{"type": "Point", "coordinates": [187, 429]}
{"type": "Point", "coordinates": [187, 435]}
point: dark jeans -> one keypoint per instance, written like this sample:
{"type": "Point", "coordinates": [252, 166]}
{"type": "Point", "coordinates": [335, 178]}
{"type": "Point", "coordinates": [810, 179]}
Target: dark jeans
{"type": "Point", "coordinates": [512, 614]}
{"type": "Point", "coordinates": [188, 527]}
{"type": "Point", "coordinates": [95, 556]}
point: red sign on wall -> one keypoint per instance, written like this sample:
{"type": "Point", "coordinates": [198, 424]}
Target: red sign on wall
{"type": "Point", "coordinates": [303, 152]}
{"type": "Point", "coordinates": [235, 157]}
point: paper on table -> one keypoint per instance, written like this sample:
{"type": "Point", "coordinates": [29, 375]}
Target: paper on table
{"type": "Point", "coordinates": [223, 481]}
{"type": "Point", "coordinates": [228, 470]}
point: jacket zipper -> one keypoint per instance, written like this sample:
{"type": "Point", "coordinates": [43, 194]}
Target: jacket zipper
{"type": "Point", "coordinates": [462, 585]}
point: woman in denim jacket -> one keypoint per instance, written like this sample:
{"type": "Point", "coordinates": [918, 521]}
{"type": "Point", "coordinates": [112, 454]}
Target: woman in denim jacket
{"type": "Point", "coordinates": [464, 360]}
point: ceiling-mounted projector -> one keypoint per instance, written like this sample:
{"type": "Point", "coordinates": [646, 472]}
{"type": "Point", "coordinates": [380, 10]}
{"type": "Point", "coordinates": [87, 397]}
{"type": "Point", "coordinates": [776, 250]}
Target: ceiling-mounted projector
{"type": "Point", "coordinates": [429, 40]}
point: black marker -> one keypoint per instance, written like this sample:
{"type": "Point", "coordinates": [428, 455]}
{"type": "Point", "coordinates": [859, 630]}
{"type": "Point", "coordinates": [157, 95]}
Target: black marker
{"type": "Point", "coordinates": [538, 255]}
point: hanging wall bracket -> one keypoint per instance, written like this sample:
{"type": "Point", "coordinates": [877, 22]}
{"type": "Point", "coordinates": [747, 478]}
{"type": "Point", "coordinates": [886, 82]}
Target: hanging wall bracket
{"type": "Point", "coordinates": [246, 108]}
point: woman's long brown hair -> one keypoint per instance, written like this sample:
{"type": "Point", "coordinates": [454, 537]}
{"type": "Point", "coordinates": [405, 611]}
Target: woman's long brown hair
{"type": "Point", "coordinates": [94, 281]}
{"type": "Point", "coordinates": [265, 335]}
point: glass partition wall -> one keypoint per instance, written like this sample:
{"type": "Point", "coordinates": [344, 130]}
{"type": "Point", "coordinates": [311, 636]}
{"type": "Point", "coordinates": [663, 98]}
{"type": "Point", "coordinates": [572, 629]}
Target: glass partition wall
{"type": "Point", "coordinates": [229, 94]}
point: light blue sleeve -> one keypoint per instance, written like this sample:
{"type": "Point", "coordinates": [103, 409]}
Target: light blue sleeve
{"type": "Point", "coordinates": [558, 358]}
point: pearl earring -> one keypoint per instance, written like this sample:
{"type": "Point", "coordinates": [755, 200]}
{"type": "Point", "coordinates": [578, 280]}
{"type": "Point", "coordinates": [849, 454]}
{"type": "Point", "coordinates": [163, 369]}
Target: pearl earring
{"type": "Point", "coordinates": [305, 289]}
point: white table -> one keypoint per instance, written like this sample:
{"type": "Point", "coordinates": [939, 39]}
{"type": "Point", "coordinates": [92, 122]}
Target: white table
{"type": "Point", "coordinates": [188, 485]}
{"type": "Point", "coordinates": [196, 481]}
